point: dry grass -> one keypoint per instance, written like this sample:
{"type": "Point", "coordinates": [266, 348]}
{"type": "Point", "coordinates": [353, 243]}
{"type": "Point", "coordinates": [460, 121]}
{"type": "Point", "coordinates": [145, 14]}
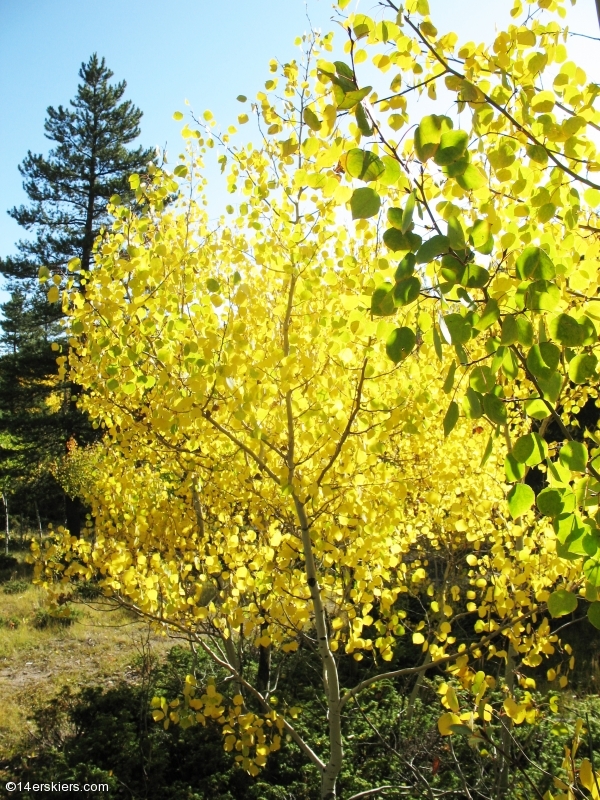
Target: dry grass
{"type": "Point", "coordinates": [100, 647]}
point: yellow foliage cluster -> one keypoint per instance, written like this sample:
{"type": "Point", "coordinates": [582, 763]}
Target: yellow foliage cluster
{"type": "Point", "coordinates": [313, 426]}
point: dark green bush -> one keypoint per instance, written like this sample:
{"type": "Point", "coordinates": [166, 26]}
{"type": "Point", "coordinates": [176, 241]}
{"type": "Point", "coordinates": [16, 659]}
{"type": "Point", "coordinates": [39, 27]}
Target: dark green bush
{"type": "Point", "coordinates": [46, 618]}
{"type": "Point", "coordinates": [107, 735]}
{"type": "Point", "coordinates": [15, 586]}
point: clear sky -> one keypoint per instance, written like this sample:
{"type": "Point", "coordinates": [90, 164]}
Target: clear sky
{"type": "Point", "coordinates": [203, 50]}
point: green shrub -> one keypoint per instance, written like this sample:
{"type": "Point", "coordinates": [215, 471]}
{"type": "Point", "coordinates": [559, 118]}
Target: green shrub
{"type": "Point", "coordinates": [108, 736]}
{"type": "Point", "coordinates": [46, 618]}
{"type": "Point", "coordinates": [15, 586]}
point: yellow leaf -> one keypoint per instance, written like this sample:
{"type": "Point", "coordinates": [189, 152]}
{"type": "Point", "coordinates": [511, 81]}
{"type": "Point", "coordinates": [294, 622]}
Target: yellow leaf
{"type": "Point", "coordinates": [515, 711]}
{"type": "Point", "coordinates": [53, 294]}
{"type": "Point", "coordinates": [445, 723]}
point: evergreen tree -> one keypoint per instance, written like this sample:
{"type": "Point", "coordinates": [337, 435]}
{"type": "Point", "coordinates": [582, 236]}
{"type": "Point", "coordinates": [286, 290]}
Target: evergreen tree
{"type": "Point", "coordinates": [68, 192]}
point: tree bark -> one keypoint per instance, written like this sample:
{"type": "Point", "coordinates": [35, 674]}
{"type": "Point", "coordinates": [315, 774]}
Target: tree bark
{"type": "Point", "coordinates": [598, 11]}
{"type": "Point", "coordinates": [7, 533]}
{"type": "Point", "coordinates": [37, 513]}
{"type": "Point", "coordinates": [331, 678]}
{"type": "Point", "coordinates": [505, 733]}
{"type": "Point", "coordinates": [263, 676]}
{"type": "Point", "coordinates": [88, 240]}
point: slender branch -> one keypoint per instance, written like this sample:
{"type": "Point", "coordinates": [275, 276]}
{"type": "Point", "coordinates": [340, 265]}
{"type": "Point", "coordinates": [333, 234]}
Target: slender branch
{"type": "Point", "coordinates": [410, 88]}
{"type": "Point", "coordinates": [502, 110]}
{"type": "Point", "coordinates": [370, 792]}
{"type": "Point", "coordinates": [257, 459]}
{"type": "Point", "coordinates": [432, 664]}
{"type": "Point", "coordinates": [306, 749]}
{"type": "Point", "coordinates": [349, 424]}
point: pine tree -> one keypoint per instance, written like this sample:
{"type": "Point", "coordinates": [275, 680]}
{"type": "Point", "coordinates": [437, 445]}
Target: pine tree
{"type": "Point", "coordinates": [68, 191]}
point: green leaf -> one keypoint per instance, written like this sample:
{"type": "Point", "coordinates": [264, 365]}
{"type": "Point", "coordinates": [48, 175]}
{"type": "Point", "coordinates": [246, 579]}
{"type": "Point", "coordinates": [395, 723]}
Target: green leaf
{"type": "Point", "coordinates": [510, 365]}
{"type": "Point", "coordinates": [406, 291]}
{"type": "Point", "coordinates": [474, 277]}
{"type": "Point", "coordinates": [537, 153]}
{"type": "Point", "coordinates": [452, 269]}
{"type": "Point", "coordinates": [364, 164]}
{"type": "Point", "coordinates": [495, 409]}
{"type": "Point", "coordinates": [524, 331]}
{"type": "Point", "coordinates": [567, 331]}
{"type": "Point", "coordinates": [472, 404]}
{"type": "Point", "coordinates": [451, 418]}
{"type": "Point", "coordinates": [561, 603]}
{"type": "Point", "coordinates": [437, 343]}
{"type": "Point", "coordinates": [364, 126]}
{"type": "Point", "coordinates": [346, 100]}
{"type": "Point", "coordinates": [400, 344]}
{"type": "Point", "coordinates": [593, 614]}
{"type": "Point", "coordinates": [482, 379]}
{"type": "Point", "coordinates": [394, 217]}
{"type": "Point", "coordinates": [530, 449]}
{"type": "Point", "coordinates": [392, 171]}
{"type": "Point", "coordinates": [535, 264]}
{"type": "Point", "coordinates": [488, 450]}
{"type": "Point", "coordinates": [365, 203]}
{"type": "Point", "coordinates": [180, 170]}
{"type": "Point", "coordinates": [543, 360]}
{"type": "Point", "coordinates": [489, 315]}
{"type": "Point", "coordinates": [432, 248]}
{"type": "Point", "coordinates": [407, 214]}
{"type": "Point", "coordinates": [458, 167]}
{"type": "Point", "coordinates": [481, 237]}
{"type": "Point", "coordinates": [520, 499]}
{"type": "Point", "coordinates": [212, 285]}
{"type": "Point", "coordinates": [591, 570]}
{"type": "Point", "coordinates": [459, 328]}
{"type": "Point", "coordinates": [509, 330]}
{"type": "Point", "coordinates": [582, 368]}
{"type": "Point", "coordinates": [551, 387]}
{"type": "Point", "coordinates": [536, 408]}
{"type": "Point", "coordinates": [449, 382]}
{"type": "Point", "coordinates": [344, 69]}
{"type": "Point", "coordinates": [517, 329]}
{"type": "Point", "coordinates": [428, 135]}
{"type": "Point", "coordinates": [452, 146]}
{"type": "Point", "coordinates": [589, 330]}
{"type": "Point", "coordinates": [497, 360]}
{"type": "Point", "coordinates": [382, 301]}
{"type": "Point", "coordinates": [574, 456]}
{"type": "Point", "coordinates": [513, 470]}
{"type": "Point", "coordinates": [406, 267]}
{"type": "Point", "coordinates": [456, 235]}
{"type": "Point", "coordinates": [542, 296]}
{"type": "Point", "coordinates": [571, 534]}
{"type": "Point", "coordinates": [471, 179]}
{"type": "Point", "coordinates": [311, 119]}
{"type": "Point", "coordinates": [550, 502]}
{"type": "Point", "coordinates": [397, 241]}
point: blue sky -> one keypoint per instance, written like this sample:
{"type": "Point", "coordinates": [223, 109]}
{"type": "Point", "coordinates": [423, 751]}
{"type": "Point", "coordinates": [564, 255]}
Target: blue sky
{"type": "Point", "coordinates": [203, 50]}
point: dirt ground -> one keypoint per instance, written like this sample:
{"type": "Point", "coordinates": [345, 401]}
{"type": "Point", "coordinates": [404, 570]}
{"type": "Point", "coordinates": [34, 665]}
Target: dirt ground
{"type": "Point", "coordinates": [100, 647]}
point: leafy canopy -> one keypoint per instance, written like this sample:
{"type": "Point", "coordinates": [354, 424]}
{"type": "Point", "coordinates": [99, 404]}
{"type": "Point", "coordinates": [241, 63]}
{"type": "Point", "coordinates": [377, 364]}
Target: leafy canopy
{"type": "Point", "coordinates": [323, 430]}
